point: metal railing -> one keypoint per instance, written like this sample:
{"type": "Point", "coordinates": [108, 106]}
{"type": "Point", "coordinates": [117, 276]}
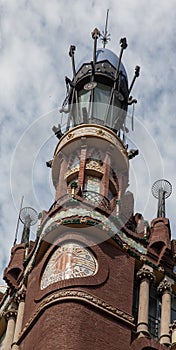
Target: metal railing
{"type": "Point", "coordinates": [96, 198]}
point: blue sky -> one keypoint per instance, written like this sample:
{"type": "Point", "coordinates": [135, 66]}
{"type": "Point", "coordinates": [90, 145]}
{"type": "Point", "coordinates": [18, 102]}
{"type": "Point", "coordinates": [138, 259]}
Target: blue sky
{"type": "Point", "coordinates": [34, 41]}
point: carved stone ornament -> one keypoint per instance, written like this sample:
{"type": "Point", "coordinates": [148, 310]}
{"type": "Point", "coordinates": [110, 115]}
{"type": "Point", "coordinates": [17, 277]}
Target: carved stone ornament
{"type": "Point", "coordinates": [173, 326]}
{"type": "Point", "coordinates": [165, 286]}
{"type": "Point", "coordinates": [71, 171]}
{"type": "Point", "coordinates": [11, 313]}
{"type": "Point", "coordinates": [94, 165]}
{"type": "Point", "coordinates": [20, 296]}
{"type": "Point", "coordinates": [145, 273]}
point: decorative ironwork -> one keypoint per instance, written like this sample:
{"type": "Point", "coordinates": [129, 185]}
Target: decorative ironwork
{"type": "Point", "coordinates": [96, 198]}
{"type": "Point", "coordinates": [28, 216]}
{"type": "Point", "coordinates": [161, 190]}
{"type": "Point", "coordinates": [105, 36]}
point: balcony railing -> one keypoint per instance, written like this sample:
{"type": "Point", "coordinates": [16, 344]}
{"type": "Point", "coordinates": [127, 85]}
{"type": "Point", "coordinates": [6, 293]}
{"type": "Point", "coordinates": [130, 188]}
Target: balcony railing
{"type": "Point", "coordinates": [96, 198]}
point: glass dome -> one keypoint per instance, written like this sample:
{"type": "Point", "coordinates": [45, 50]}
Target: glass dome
{"type": "Point", "coordinates": [102, 55]}
{"type": "Point", "coordinates": [99, 92]}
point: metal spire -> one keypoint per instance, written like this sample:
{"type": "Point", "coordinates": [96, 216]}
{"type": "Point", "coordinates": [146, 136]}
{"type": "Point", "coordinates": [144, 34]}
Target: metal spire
{"type": "Point", "coordinates": [28, 217]}
{"type": "Point", "coordinates": [105, 36]}
{"type": "Point", "coordinates": [161, 190]}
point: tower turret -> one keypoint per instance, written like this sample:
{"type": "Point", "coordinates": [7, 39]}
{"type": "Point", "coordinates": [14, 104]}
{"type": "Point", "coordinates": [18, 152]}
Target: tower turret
{"type": "Point", "coordinates": [91, 159]}
{"type": "Point", "coordinates": [73, 263]}
{"type": "Point", "coordinates": [78, 275]}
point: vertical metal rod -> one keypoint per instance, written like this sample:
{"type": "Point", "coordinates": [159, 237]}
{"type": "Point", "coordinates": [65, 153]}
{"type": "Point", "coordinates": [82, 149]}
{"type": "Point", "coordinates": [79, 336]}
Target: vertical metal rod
{"type": "Point", "coordinates": [117, 74]}
{"type": "Point", "coordinates": [71, 54]}
{"type": "Point", "coordinates": [95, 36]}
{"type": "Point", "coordinates": [136, 75]}
{"type": "Point", "coordinates": [106, 26]}
{"type": "Point", "coordinates": [18, 221]}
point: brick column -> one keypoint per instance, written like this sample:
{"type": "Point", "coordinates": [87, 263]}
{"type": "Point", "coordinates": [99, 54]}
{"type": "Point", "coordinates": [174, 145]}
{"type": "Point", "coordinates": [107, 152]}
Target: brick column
{"type": "Point", "coordinates": [105, 179]}
{"type": "Point", "coordinates": [165, 289]}
{"type": "Point", "coordinates": [81, 176]}
{"type": "Point", "coordinates": [146, 276]}
{"type": "Point", "coordinates": [61, 188]}
{"type": "Point", "coordinates": [21, 302]}
{"type": "Point", "coordinates": [120, 181]}
{"type": "Point", "coordinates": [10, 316]}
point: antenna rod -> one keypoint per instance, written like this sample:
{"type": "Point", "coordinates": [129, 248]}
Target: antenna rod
{"type": "Point", "coordinates": [106, 27]}
{"type": "Point", "coordinates": [105, 37]}
{"type": "Point", "coordinates": [16, 233]}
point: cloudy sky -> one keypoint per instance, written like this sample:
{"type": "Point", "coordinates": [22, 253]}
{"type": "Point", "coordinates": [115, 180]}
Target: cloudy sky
{"type": "Point", "coordinates": [34, 41]}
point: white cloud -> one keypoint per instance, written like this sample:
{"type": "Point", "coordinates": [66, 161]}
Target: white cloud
{"type": "Point", "coordinates": [34, 40]}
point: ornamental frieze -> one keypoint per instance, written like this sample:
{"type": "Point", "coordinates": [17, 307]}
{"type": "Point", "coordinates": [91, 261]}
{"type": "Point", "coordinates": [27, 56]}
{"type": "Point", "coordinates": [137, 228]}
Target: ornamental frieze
{"type": "Point", "coordinates": [78, 296]}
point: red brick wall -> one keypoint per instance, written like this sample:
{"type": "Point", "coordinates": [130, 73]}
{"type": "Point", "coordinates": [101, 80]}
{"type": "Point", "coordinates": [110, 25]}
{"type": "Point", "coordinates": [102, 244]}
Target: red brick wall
{"type": "Point", "coordinates": [75, 325]}
{"type": "Point", "coordinates": [70, 326]}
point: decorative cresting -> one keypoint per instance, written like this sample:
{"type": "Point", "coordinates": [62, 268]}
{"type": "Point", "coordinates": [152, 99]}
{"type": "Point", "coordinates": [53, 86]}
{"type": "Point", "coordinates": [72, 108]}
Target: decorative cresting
{"type": "Point", "coordinates": [10, 316]}
{"type": "Point", "coordinates": [146, 276]}
{"type": "Point", "coordinates": [165, 288]}
{"type": "Point", "coordinates": [82, 297]}
{"type": "Point", "coordinates": [20, 300]}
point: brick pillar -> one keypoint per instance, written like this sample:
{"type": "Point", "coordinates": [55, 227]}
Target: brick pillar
{"type": "Point", "coordinates": [146, 276]}
{"type": "Point", "coordinates": [165, 289]}
{"type": "Point", "coordinates": [82, 166]}
{"type": "Point", "coordinates": [21, 302]}
{"type": "Point", "coordinates": [120, 181]}
{"type": "Point", "coordinates": [10, 316]}
{"type": "Point", "coordinates": [106, 175]}
{"type": "Point", "coordinates": [61, 188]}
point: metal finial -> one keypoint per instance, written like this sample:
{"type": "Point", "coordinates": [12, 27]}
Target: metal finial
{"type": "Point", "coordinates": [136, 75]}
{"type": "Point", "coordinates": [95, 36]}
{"type": "Point", "coordinates": [71, 54]}
{"type": "Point", "coordinates": [105, 36]}
{"type": "Point", "coordinates": [161, 190]}
{"type": "Point", "coordinates": [28, 217]}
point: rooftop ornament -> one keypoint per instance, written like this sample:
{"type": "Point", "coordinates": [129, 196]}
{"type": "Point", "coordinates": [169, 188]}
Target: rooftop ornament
{"type": "Point", "coordinates": [98, 92]}
{"type": "Point", "coordinates": [161, 190]}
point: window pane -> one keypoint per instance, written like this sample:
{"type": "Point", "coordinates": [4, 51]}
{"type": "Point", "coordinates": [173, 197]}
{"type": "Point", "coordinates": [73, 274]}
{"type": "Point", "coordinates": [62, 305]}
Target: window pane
{"type": "Point", "coordinates": [173, 309]}
{"type": "Point", "coordinates": [92, 184]}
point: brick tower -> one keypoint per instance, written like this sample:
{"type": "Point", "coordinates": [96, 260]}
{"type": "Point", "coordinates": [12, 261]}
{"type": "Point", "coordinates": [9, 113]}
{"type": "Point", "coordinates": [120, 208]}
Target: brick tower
{"type": "Point", "coordinates": [97, 276]}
